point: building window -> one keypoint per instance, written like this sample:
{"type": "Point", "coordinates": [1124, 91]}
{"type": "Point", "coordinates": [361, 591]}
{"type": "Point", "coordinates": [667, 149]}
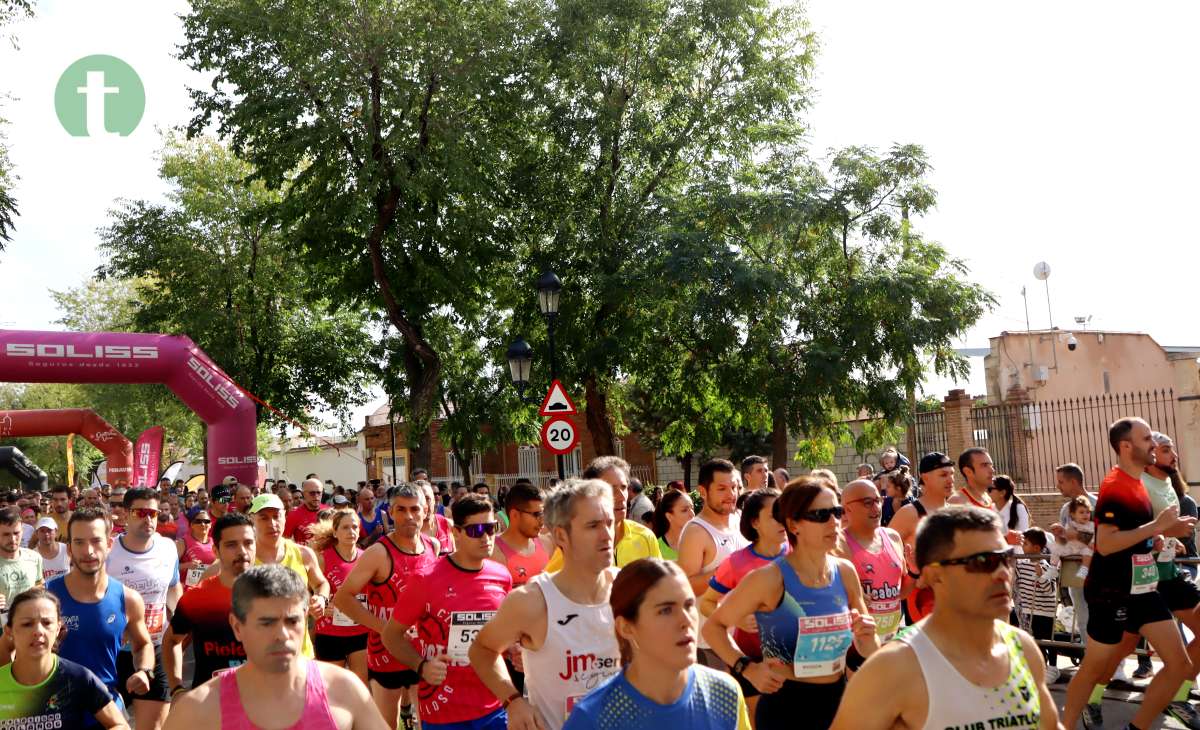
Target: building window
{"type": "Point", "coordinates": [454, 474]}
{"type": "Point", "coordinates": [529, 463]}
{"type": "Point", "coordinates": [385, 469]}
{"type": "Point", "coordinates": [573, 462]}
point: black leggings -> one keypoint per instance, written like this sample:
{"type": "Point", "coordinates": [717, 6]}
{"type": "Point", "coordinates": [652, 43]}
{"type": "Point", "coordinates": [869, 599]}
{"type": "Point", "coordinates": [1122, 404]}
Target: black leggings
{"type": "Point", "coordinates": [818, 702]}
{"type": "Point", "coordinates": [1042, 628]}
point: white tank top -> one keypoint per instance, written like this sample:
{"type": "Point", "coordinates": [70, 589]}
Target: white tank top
{"type": "Point", "coordinates": [954, 702]}
{"type": "Point", "coordinates": [56, 566]}
{"type": "Point", "coordinates": [150, 573]}
{"type": "Point", "coordinates": [579, 654]}
{"type": "Point", "coordinates": [728, 542]}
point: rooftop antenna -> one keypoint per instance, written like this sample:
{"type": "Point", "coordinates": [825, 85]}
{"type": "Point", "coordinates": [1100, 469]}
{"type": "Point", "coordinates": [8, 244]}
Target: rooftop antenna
{"type": "Point", "coordinates": [1042, 272]}
{"type": "Point", "coordinates": [1083, 322]}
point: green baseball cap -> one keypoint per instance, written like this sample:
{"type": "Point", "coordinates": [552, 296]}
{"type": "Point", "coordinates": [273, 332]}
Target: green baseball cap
{"type": "Point", "coordinates": [266, 501]}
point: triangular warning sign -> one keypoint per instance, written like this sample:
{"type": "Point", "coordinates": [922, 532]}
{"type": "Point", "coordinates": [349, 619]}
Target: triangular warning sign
{"type": "Point", "coordinates": [557, 402]}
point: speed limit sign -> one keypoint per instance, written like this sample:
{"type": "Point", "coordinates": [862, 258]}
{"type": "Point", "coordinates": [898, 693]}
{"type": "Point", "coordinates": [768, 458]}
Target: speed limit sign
{"type": "Point", "coordinates": [559, 435]}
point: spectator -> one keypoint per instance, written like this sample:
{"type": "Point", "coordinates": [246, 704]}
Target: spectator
{"type": "Point", "coordinates": [865, 471]}
{"type": "Point", "coordinates": [756, 473]}
{"type": "Point", "coordinates": [895, 487]}
{"type": "Point", "coordinates": [674, 511]}
{"type": "Point", "coordinates": [1082, 532]}
{"type": "Point", "coordinates": [639, 503]}
{"type": "Point", "coordinates": [781, 477]}
{"type": "Point", "coordinates": [1069, 480]}
{"type": "Point", "coordinates": [1037, 595]}
{"type": "Point", "coordinates": [1014, 513]}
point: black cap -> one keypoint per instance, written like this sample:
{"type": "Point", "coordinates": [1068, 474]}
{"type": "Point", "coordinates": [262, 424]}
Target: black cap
{"type": "Point", "coordinates": [224, 491]}
{"type": "Point", "coordinates": [933, 461]}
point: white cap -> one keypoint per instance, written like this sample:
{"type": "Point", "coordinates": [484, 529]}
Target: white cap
{"type": "Point", "coordinates": [46, 522]}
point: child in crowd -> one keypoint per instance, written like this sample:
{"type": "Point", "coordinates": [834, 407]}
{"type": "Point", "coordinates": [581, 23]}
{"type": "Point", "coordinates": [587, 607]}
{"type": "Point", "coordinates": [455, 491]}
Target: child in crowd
{"type": "Point", "coordinates": [1037, 593]}
{"type": "Point", "coordinates": [1079, 519]}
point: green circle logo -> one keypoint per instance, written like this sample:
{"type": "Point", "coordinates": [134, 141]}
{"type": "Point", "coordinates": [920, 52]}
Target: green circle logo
{"type": "Point", "coordinates": [99, 96]}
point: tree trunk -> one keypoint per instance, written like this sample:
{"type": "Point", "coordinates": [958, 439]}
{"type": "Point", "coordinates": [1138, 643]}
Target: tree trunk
{"type": "Point", "coordinates": [598, 423]}
{"type": "Point", "coordinates": [779, 439]}
{"type": "Point", "coordinates": [686, 462]}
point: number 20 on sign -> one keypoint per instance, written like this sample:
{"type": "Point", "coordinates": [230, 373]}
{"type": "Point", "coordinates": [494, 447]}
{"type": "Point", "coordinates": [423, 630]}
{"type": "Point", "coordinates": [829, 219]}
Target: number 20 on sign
{"type": "Point", "coordinates": [559, 435]}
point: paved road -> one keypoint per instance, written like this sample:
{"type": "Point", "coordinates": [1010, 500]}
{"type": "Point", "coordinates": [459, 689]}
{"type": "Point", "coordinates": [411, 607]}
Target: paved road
{"type": "Point", "coordinates": [1119, 705]}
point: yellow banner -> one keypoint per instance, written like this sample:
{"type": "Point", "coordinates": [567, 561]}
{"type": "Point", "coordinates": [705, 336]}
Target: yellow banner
{"type": "Point", "coordinates": [70, 459]}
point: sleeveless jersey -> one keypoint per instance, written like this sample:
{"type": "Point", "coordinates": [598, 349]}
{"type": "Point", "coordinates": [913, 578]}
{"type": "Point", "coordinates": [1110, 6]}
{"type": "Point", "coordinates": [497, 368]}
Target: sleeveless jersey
{"type": "Point", "coordinates": [523, 567]}
{"type": "Point", "coordinates": [728, 575]}
{"type": "Point", "coordinates": [880, 574]}
{"type": "Point", "coordinates": [381, 597]}
{"type": "Point", "coordinates": [93, 631]}
{"type": "Point", "coordinates": [579, 654]}
{"type": "Point", "coordinates": [728, 542]}
{"type": "Point", "coordinates": [368, 526]}
{"type": "Point", "coordinates": [955, 702]}
{"type": "Point", "coordinates": [336, 570]}
{"type": "Point", "coordinates": [448, 606]}
{"type": "Point", "coordinates": [56, 566]}
{"type": "Point", "coordinates": [314, 716]}
{"type": "Point", "coordinates": [151, 573]}
{"type": "Point", "coordinates": [194, 550]}
{"type": "Point", "coordinates": [810, 628]}
{"type": "Point", "coordinates": [293, 560]}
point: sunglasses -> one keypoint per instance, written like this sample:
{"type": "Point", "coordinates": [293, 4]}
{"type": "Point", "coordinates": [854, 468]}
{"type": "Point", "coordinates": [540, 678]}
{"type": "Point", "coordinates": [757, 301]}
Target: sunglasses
{"type": "Point", "coordinates": [223, 500]}
{"type": "Point", "coordinates": [985, 562]}
{"type": "Point", "coordinates": [144, 513]}
{"type": "Point", "coordinates": [535, 515]}
{"type": "Point", "coordinates": [201, 522]}
{"type": "Point", "coordinates": [823, 515]}
{"type": "Point", "coordinates": [480, 529]}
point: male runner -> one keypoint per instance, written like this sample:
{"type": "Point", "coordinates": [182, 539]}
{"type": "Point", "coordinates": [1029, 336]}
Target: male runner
{"type": "Point", "coordinates": [709, 538]}
{"type": "Point", "coordinates": [222, 498]}
{"type": "Point", "coordinates": [448, 606]}
{"type": "Point", "coordinates": [977, 469]}
{"type": "Point", "coordinates": [54, 553]}
{"type": "Point", "coordinates": [937, 485]}
{"type": "Point", "coordinates": [877, 553]}
{"type": "Point", "coordinates": [277, 686]}
{"type": "Point", "coordinates": [98, 610]}
{"type": "Point", "coordinates": [300, 520]}
{"type": "Point", "coordinates": [20, 567]}
{"type": "Point", "coordinates": [379, 576]}
{"type": "Point", "coordinates": [562, 620]}
{"type": "Point", "coordinates": [1121, 585]}
{"type": "Point", "coordinates": [522, 547]}
{"type": "Point", "coordinates": [963, 666]}
{"type": "Point", "coordinates": [60, 508]}
{"type": "Point", "coordinates": [756, 473]}
{"type": "Point", "coordinates": [147, 562]}
{"type": "Point", "coordinates": [203, 613]}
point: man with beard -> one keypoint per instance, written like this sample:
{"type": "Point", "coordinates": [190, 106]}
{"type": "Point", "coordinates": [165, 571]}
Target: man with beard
{"type": "Point", "coordinates": [100, 610]}
{"type": "Point", "coordinates": [937, 486]}
{"type": "Point", "coordinates": [277, 686]}
{"type": "Point", "coordinates": [709, 538]}
{"type": "Point", "coordinates": [301, 519]}
{"type": "Point", "coordinates": [377, 578]}
{"type": "Point", "coordinates": [963, 666]}
{"type": "Point", "coordinates": [633, 540]}
{"type": "Point", "coordinates": [1122, 584]}
{"type": "Point", "coordinates": [203, 612]}
{"type": "Point", "coordinates": [242, 498]}
{"type": "Point", "coordinates": [878, 556]}
{"type": "Point", "coordinates": [60, 509]}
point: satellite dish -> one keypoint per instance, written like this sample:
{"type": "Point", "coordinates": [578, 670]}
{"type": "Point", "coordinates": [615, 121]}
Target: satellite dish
{"type": "Point", "coordinates": [1042, 270]}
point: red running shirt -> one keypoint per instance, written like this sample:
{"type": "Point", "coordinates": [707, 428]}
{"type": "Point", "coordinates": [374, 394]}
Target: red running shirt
{"type": "Point", "coordinates": [204, 612]}
{"type": "Point", "coordinates": [448, 606]}
{"type": "Point", "coordinates": [336, 570]}
{"type": "Point", "coordinates": [381, 597]}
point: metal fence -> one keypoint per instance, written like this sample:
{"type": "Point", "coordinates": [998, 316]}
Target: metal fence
{"type": "Point", "coordinates": [1028, 441]}
{"type": "Point", "coordinates": [927, 433]}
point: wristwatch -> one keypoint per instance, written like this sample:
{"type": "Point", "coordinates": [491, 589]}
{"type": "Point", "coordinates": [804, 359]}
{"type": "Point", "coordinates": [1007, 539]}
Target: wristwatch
{"type": "Point", "coordinates": [740, 665]}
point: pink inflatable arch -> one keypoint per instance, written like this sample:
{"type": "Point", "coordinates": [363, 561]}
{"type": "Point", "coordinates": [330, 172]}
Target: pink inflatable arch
{"type": "Point", "coordinates": [119, 357]}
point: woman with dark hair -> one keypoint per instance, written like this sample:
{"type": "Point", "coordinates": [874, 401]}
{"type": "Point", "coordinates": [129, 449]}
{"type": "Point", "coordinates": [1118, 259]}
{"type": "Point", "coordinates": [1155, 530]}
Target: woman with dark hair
{"type": "Point", "coordinates": [195, 548]}
{"type": "Point", "coordinates": [894, 485]}
{"type": "Point", "coordinates": [40, 688]}
{"type": "Point", "coordinates": [809, 608]}
{"type": "Point", "coordinates": [768, 540]}
{"type": "Point", "coordinates": [338, 639]}
{"type": "Point", "coordinates": [674, 510]}
{"type": "Point", "coordinates": [661, 685]}
{"type": "Point", "coordinates": [1014, 513]}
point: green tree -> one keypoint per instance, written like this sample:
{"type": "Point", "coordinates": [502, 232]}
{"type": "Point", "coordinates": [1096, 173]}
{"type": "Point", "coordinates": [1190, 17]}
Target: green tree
{"type": "Point", "coordinates": [390, 125]}
{"type": "Point", "coordinates": [10, 11]}
{"type": "Point", "coordinates": [640, 102]}
{"type": "Point", "coordinates": [211, 264]}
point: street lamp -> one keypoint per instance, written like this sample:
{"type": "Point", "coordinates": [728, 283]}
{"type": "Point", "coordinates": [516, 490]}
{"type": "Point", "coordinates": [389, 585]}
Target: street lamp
{"type": "Point", "coordinates": [520, 354]}
{"type": "Point", "coordinates": [548, 287]}
{"type": "Point", "coordinates": [520, 357]}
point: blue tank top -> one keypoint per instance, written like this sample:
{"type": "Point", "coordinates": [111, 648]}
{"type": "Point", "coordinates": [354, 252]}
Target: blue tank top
{"type": "Point", "coordinates": [368, 527]}
{"type": "Point", "coordinates": [93, 631]}
{"type": "Point", "coordinates": [810, 628]}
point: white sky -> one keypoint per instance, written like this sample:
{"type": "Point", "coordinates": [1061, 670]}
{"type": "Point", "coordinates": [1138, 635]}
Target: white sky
{"type": "Point", "coordinates": [1058, 131]}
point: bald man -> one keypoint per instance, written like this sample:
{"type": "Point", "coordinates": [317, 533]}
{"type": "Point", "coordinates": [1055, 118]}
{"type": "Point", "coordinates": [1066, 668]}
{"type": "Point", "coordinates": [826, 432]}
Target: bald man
{"type": "Point", "coordinates": [877, 553]}
{"type": "Point", "coordinates": [301, 519]}
{"type": "Point", "coordinates": [242, 497]}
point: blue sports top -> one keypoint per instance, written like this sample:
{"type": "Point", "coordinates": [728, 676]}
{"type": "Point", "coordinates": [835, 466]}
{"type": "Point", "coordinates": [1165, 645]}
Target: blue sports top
{"type": "Point", "coordinates": [810, 628]}
{"type": "Point", "coordinates": [712, 700]}
{"type": "Point", "coordinates": [93, 630]}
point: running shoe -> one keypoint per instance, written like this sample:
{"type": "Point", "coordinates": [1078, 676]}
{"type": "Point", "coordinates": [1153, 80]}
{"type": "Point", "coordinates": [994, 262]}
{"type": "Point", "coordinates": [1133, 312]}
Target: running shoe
{"type": "Point", "coordinates": [1144, 671]}
{"type": "Point", "coordinates": [1052, 674]}
{"type": "Point", "coordinates": [1184, 713]}
{"type": "Point", "coordinates": [1093, 717]}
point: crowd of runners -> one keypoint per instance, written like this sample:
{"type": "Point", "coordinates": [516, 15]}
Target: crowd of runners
{"type": "Point", "coordinates": [764, 601]}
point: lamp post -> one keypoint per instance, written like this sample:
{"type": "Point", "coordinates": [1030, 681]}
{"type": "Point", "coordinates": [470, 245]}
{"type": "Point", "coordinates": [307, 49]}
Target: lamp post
{"type": "Point", "coordinates": [520, 354]}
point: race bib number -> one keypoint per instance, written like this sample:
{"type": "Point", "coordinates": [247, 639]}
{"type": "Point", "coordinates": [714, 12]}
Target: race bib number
{"type": "Point", "coordinates": [1145, 575]}
{"type": "Point", "coordinates": [193, 576]}
{"type": "Point", "coordinates": [341, 619]}
{"type": "Point", "coordinates": [156, 619]}
{"type": "Point", "coordinates": [821, 645]}
{"type": "Point", "coordinates": [464, 627]}
{"type": "Point", "coordinates": [887, 617]}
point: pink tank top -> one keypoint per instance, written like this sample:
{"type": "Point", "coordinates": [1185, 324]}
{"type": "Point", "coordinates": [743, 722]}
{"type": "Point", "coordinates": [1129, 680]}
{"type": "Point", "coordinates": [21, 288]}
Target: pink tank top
{"type": "Point", "coordinates": [193, 550]}
{"type": "Point", "coordinates": [336, 570]}
{"type": "Point", "coordinates": [880, 575]}
{"type": "Point", "coordinates": [523, 567]}
{"type": "Point", "coordinates": [316, 714]}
